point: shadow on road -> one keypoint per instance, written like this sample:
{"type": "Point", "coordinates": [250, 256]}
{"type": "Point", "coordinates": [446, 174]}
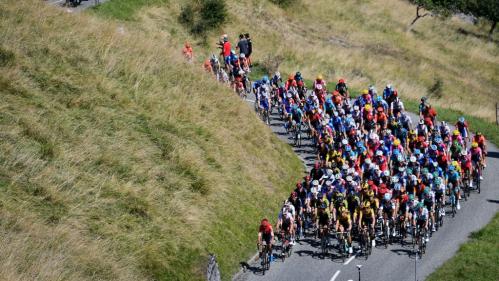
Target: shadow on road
{"type": "Point", "coordinates": [493, 154]}
{"type": "Point", "coordinates": [493, 201]}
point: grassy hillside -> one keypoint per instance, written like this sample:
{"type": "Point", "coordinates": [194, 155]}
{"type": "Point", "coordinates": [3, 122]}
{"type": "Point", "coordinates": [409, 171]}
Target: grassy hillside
{"type": "Point", "coordinates": [120, 162]}
{"type": "Point", "coordinates": [365, 41]}
{"type": "Point", "coordinates": [476, 260]}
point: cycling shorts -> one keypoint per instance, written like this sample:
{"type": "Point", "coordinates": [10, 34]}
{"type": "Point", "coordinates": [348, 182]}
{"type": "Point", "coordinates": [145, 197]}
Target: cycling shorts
{"type": "Point", "coordinates": [267, 237]}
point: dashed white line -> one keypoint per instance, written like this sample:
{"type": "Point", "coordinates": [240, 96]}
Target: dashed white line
{"type": "Point", "coordinates": [349, 260]}
{"type": "Point", "coordinates": [335, 275]}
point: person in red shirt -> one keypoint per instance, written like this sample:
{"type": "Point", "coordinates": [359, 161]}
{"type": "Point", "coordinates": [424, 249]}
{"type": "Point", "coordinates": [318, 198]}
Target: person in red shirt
{"type": "Point", "coordinates": [188, 52]}
{"type": "Point", "coordinates": [290, 83]}
{"type": "Point", "coordinates": [265, 233]}
{"type": "Point", "coordinates": [226, 48]}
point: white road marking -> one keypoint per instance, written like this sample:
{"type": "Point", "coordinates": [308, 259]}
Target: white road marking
{"type": "Point", "coordinates": [350, 280]}
{"type": "Point", "coordinates": [349, 260]}
{"type": "Point", "coordinates": [335, 275]}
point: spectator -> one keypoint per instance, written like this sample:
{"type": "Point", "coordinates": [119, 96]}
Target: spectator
{"type": "Point", "coordinates": [242, 45]}
{"type": "Point", "coordinates": [188, 52]}
{"type": "Point", "coordinates": [250, 48]}
{"type": "Point", "coordinates": [226, 48]}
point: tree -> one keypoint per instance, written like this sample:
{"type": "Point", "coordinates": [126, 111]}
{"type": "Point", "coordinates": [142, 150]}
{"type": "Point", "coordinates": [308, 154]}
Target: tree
{"type": "Point", "coordinates": [433, 7]}
{"type": "Point", "coordinates": [487, 9]}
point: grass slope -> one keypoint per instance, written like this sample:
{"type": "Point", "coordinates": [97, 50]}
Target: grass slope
{"type": "Point", "coordinates": [476, 260]}
{"type": "Point", "coordinates": [120, 162]}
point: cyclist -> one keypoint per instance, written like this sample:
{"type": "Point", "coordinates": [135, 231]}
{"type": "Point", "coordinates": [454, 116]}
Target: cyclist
{"type": "Point", "coordinates": [480, 139]}
{"type": "Point", "coordinates": [367, 219]}
{"type": "Point", "coordinates": [421, 218]}
{"type": "Point", "coordinates": [462, 128]}
{"type": "Point", "coordinates": [276, 79]}
{"type": "Point", "coordinates": [344, 224]}
{"type": "Point", "coordinates": [454, 178]}
{"type": "Point", "coordinates": [476, 158]}
{"type": "Point", "coordinates": [342, 88]}
{"type": "Point", "coordinates": [429, 203]}
{"type": "Point", "coordinates": [286, 222]}
{"type": "Point", "coordinates": [265, 234]}
{"type": "Point", "coordinates": [323, 219]}
{"type": "Point", "coordinates": [298, 206]}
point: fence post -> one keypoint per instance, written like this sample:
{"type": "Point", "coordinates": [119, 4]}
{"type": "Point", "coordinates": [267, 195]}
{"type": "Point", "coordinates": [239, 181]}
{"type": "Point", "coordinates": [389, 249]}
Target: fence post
{"type": "Point", "coordinates": [497, 114]}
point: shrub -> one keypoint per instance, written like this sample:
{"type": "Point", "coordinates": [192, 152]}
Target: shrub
{"type": "Point", "coordinates": [436, 90]}
{"type": "Point", "coordinates": [6, 57]}
{"type": "Point", "coordinates": [203, 16]}
{"type": "Point", "coordinates": [284, 3]}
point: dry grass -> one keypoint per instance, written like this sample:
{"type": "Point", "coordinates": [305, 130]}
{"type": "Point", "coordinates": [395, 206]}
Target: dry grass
{"type": "Point", "coordinates": [117, 160]}
{"type": "Point", "coordinates": [366, 42]}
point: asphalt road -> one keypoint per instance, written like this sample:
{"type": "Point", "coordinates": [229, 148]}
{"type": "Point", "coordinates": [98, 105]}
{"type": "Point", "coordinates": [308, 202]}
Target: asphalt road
{"type": "Point", "coordinates": [84, 4]}
{"type": "Point", "coordinates": [397, 262]}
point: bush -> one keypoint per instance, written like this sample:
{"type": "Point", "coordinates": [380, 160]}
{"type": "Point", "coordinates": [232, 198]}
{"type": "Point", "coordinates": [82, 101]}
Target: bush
{"type": "Point", "coordinates": [6, 57]}
{"type": "Point", "coordinates": [284, 3]}
{"type": "Point", "coordinates": [436, 90]}
{"type": "Point", "coordinates": [203, 16]}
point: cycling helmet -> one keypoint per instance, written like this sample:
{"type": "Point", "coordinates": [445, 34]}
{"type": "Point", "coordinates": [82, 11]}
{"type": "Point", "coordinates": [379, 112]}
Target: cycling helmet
{"type": "Point", "coordinates": [455, 132]}
{"type": "Point", "coordinates": [451, 168]}
{"type": "Point", "coordinates": [387, 196]}
{"type": "Point", "coordinates": [433, 147]}
{"type": "Point", "coordinates": [461, 119]}
{"type": "Point", "coordinates": [437, 181]}
{"type": "Point", "coordinates": [242, 55]}
{"type": "Point", "coordinates": [423, 98]}
{"type": "Point", "coordinates": [298, 74]}
{"type": "Point", "coordinates": [291, 77]}
{"type": "Point", "coordinates": [341, 80]}
{"type": "Point", "coordinates": [368, 107]}
{"type": "Point", "coordinates": [478, 133]}
{"type": "Point", "coordinates": [298, 184]}
{"type": "Point", "coordinates": [464, 153]}
{"type": "Point", "coordinates": [412, 159]}
{"type": "Point", "coordinates": [379, 153]}
{"type": "Point", "coordinates": [421, 121]}
{"type": "Point", "coordinates": [386, 173]}
{"type": "Point", "coordinates": [356, 107]}
{"type": "Point", "coordinates": [315, 183]}
{"type": "Point", "coordinates": [368, 161]}
{"type": "Point", "coordinates": [366, 205]}
{"type": "Point", "coordinates": [294, 194]}
{"type": "Point", "coordinates": [365, 92]}
{"type": "Point", "coordinates": [349, 178]}
{"type": "Point", "coordinates": [233, 52]}
{"type": "Point", "coordinates": [265, 79]}
{"type": "Point", "coordinates": [420, 205]}
{"type": "Point", "coordinates": [265, 222]}
{"type": "Point", "coordinates": [323, 206]}
{"type": "Point", "coordinates": [474, 144]}
{"type": "Point", "coordinates": [396, 142]}
{"type": "Point", "coordinates": [395, 179]}
{"type": "Point", "coordinates": [319, 77]}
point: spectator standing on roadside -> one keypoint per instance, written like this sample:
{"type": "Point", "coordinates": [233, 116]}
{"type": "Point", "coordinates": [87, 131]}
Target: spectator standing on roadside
{"type": "Point", "coordinates": [226, 48]}
{"type": "Point", "coordinates": [242, 45]}
{"type": "Point", "coordinates": [250, 48]}
{"type": "Point", "coordinates": [188, 52]}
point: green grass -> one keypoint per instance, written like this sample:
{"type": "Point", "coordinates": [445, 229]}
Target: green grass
{"type": "Point", "coordinates": [477, 260]}
{"type": "Point", "coordinates": [124, 9]}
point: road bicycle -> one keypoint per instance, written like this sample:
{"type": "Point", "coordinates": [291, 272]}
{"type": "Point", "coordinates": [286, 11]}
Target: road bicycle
{"type": "Point", "coordinates": [343, 244]}
{"type": "Point", "coordinates": [286, 247]}
{"type": "Point", "coordinates": [265, 256]}
{"type": "Point", "coordinates": [324, 237]}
